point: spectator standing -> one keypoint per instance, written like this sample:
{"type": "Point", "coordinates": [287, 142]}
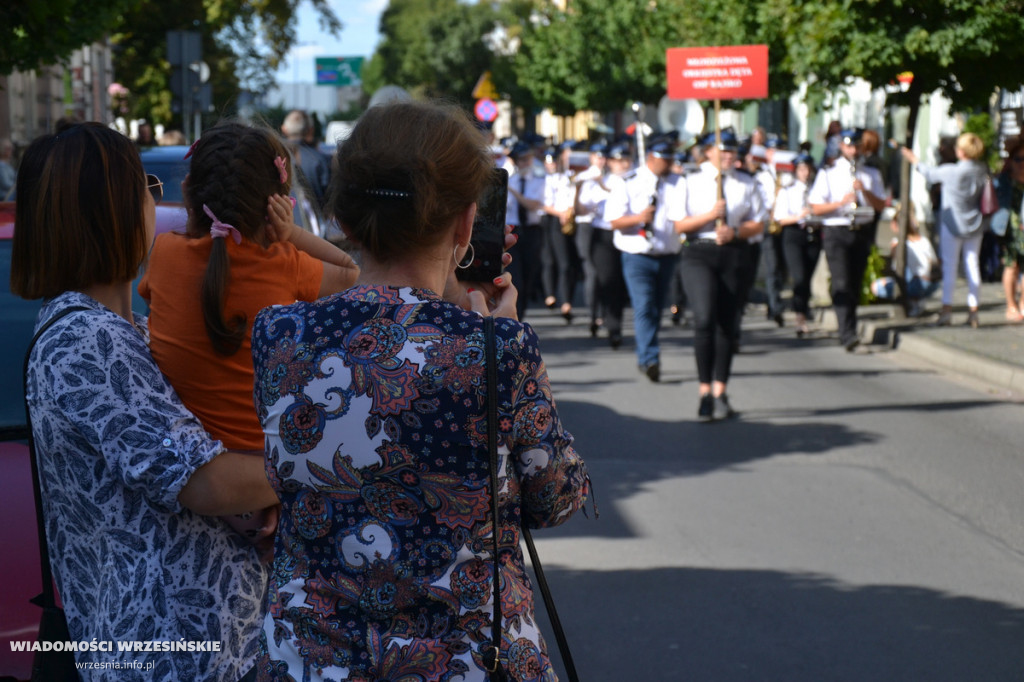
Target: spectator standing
{"type": "Point", "coordinates": [714, 256]}
{"type": "Point", "coordinates": [314, 166]}
{"type": "Point", "coordinates": [1008, 222]}
{"type": "Point", "coordinates": [846, 196]}
{"type": "Point", "coordinates": [960, 219]}
{"type": "Point", "coordinates": [8, 176]}
{"type": "Point", "coordinates": [642, 211]}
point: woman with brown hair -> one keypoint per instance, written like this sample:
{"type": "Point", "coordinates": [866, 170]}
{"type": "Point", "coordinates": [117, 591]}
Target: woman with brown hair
{"type": "Point", "coordinates": [130, 480]}
{"type": "Point", "coordinates": [373, 404]}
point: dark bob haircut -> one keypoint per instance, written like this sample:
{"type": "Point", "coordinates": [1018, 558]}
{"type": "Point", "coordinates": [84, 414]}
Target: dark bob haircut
{"type": "Point", "coordinates": [405, 173]}
{"type": "Point", "coordinates": [80, 217]}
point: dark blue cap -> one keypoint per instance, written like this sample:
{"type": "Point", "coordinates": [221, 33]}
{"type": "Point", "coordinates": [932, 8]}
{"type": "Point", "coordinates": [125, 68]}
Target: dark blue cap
{"type": "Point", "coordinates": [728, 140]}
{"type": "Point", "coordinates": [550, 155]}
{"type": "Point", "coordinates": [805, 159]}
{"type": "Point", "coordinates": [850, 135]}
{"type": "Point", "coordinates": [566, 145]}
{"type": "Point", "coordinates": [617, 151]}
{"type": "Point", "coordinates": [598, 149]}
{"type": "Point", "coordinates": [519, 149]}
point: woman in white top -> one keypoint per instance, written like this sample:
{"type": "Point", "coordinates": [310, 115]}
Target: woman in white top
{"type": "Point", "coordinates": [801, 238]}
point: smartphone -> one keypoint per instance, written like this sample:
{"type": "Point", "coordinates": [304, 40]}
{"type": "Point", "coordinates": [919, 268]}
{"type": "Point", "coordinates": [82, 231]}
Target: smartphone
{"type": "Point", "coordinates": [488, 238]}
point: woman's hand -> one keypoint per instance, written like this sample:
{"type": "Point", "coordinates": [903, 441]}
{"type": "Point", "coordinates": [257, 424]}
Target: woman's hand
{"type": "Point", "coordinates": [456, 291]}
{"type": "Point", "coordinates": [499, 301]}
{"type": "Point", "coordinates": [280, 225]}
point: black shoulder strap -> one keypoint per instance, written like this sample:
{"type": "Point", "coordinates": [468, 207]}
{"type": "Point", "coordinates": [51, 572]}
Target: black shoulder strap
{"type": "Point", "coordinates": [47, 597]}
{"type": "Point", "coordinates": [493, 654]}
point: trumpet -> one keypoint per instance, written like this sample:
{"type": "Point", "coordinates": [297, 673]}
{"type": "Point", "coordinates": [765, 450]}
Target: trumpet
{"type": "Point", "coordinates": [853, 181]}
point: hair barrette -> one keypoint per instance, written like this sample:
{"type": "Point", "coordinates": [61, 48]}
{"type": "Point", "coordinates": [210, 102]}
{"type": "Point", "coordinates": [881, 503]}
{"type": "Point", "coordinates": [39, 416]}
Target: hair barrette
{"type": "Point", "coordinates": [388, 193]}
{"type": "Point", "coordinates": [282, 168]}
{"type": "Point", "coordinates": [191, 149]}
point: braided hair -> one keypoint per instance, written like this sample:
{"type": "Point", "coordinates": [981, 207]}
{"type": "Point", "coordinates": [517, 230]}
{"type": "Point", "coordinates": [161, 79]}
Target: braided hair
{"type": "Point", "coordinates": [233, 173]}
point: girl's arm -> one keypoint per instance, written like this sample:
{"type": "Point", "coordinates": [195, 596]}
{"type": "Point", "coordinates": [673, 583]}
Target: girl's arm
{"type": "Point", "coordinates": [340, 271]}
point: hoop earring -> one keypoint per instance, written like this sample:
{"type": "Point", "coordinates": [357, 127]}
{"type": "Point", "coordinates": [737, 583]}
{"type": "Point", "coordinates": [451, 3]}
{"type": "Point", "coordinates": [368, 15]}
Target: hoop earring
{"type": "Point", "coordinates": [463, 264]}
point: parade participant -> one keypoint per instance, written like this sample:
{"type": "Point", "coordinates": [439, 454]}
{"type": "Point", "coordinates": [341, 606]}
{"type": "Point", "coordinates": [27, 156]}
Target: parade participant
{"type": "Point", "coordinates": [960, 219]}
{"type": "Point", "coordinates": [765, 250]}
{"type": "Point", "coordinates": [524, 209]}
{"type": "Point", "coordinates": [846, 197]}
{"type": "Point", "coordinates": [716, 231]}
{"type": "Point", "coordinates": [641, 211]}
{"type": "Point", "coordinates": [584, 233]}
{"type": "Point", "coordinates": [609, 285]}
{"type": "Point", "coordinates": [130, 480]}
{"type": "Point", "coordinates": [801, 237]}
{"type": "Point", "coordinates": [558, 256]}
{"type": "Point", "coordinates": [374, 407]}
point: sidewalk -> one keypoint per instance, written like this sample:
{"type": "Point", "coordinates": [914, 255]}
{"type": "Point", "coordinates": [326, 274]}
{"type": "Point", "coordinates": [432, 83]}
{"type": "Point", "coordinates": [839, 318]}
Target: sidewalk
{"type": "Point", "coordinates": [993, 353]}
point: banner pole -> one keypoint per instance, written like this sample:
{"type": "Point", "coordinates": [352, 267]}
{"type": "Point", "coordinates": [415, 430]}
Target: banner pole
{"type": "Point", "coordinates": [718, 147]}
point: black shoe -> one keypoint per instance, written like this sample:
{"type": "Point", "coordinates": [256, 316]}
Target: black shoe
{"type": "Point", "coordinates": [706, 411]}
{"type": "Point", "coordinates": [653, 371]}
{"type": "Point", "coordinates": [567, 314]}
{"type": "Point", "coordinates": [851, 343]}
{"type": "Point", "coordinates": [778, 319]}
{"type": "Point", "coordinates": [615, 340]}
{"type": "Point", "coordinates": [722, 410]}
{"type": "Point", "coordinates": [594, 326]}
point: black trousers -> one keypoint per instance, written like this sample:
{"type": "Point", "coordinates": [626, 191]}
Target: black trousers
{"type": "Point", "coordinates": [525, 266]}
{"type": "Point", "coordinates": [801, 247]}
{"type": "Point", "coordinates": [609, 285]}
{"type": "Point", "coordinates": [559, 261]}
{"type": "Point", "coordinates": [847, 253]}
{"type": "Point", "coordinates": [713, 276]}
{"type": "Point", "coordinates": [773, 269]}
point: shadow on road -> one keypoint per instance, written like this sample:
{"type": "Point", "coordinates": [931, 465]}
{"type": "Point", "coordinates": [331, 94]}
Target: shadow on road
{"type": "Point", "coordinates": [771, 626]}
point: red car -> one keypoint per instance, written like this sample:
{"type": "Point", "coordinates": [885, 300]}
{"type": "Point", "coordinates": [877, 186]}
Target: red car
{"type": "Point", "coordinates": [19, 570]}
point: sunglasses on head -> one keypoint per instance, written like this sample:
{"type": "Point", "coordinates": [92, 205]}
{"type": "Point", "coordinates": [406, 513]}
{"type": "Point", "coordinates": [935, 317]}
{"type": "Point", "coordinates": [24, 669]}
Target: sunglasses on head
{"type": "Point", "coordinates": [155, 187]}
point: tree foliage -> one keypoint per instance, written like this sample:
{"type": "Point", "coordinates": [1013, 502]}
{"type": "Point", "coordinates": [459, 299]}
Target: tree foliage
{"type": "Point", "coordinates": [35, 33]}
{"type": "Point", "coordinates": [243, 44]}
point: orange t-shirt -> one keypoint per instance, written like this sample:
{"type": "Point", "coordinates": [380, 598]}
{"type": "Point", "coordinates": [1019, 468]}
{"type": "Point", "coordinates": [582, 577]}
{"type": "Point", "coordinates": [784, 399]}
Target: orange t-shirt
{"type": "Point", "coordinates": [217, 388]}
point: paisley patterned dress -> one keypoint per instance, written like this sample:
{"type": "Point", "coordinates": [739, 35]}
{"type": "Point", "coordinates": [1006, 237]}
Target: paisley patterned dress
{"type": "Point", "coordinates": [373, 404]}
{"type": "Point", "coordinates": [115, 448]}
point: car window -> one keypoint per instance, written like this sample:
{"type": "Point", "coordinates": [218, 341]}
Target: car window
{"type": "Point", "coordinates": [17, 319]}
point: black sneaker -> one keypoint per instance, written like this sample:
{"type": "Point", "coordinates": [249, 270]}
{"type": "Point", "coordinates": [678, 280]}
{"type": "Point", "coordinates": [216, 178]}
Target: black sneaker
{"type": "Point", "coordinates": [705, 412]}
{"type": "Point", "coordinates": [722, 410]}
{"type": "Point", "coordinates": [653, 371]}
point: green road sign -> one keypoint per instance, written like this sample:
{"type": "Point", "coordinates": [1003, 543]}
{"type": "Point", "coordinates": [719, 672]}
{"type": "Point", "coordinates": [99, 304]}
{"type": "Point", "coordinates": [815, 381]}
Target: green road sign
{"type": "Point", "coordinates": [339, 71]}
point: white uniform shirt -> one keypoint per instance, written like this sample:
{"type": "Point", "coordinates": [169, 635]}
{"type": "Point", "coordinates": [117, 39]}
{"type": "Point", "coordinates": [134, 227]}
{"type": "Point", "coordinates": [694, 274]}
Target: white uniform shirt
{"type": "Point", "coordinates": [743, 200]}
{"type": "Point", "coordinates": [559, 191]}
{"type": "Point", "coordinates": [835, 182]}
{"type": "Point", "coordinates": [633, 196]}
{"type": "Point", "coordinates": [593, 198]}
{"type": "Point", "coordinates": [791, 200]}
{"type": "Point", "coordinates": [534, 190]}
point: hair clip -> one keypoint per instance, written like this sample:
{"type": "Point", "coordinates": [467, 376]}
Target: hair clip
{"type": "Point", "coordinates": [191, 149]}
{"type": "Point", "coordinates": [388, 193]}
{"type": "Point", "coordinates": [219, 230]}
{"type": "Point", "coordinates": [282, 168]}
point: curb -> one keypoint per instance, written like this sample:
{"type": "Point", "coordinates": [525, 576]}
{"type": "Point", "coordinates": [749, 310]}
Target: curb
{"type": "Point", "coordinates": [959, 361]}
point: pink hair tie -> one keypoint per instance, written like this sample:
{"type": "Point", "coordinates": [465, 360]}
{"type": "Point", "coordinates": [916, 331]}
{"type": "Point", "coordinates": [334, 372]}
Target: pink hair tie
{"type": "Point", "coordinates": [219, 230]}
{"type": "Point", "coordinates": [282, 168]}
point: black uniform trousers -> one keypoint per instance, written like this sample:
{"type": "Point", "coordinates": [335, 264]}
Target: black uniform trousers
{"type": "Point", "coordinates": [525, 265]}
{"type": "Point", "coordinates": [847, 253]}
{"type": "Point", "coordinates": [609, 284]}
{"type": "Point", "coordinates": [713, 276]}
{"type": "Point", "coordinates": [802, 248]}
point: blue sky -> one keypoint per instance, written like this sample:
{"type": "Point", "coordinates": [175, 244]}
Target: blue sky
{"type": "Point", "coordinates": [358, 38]}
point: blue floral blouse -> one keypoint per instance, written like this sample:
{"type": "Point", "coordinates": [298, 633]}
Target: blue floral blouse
{"type": "Point", "coordinates": [373, 404]}
{"type": "Point", "coordinates": [115, 448]}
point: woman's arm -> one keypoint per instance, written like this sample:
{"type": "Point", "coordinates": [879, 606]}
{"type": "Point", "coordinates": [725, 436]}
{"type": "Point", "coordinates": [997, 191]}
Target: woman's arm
{"type": "Point", "coordinates": [230, 483]}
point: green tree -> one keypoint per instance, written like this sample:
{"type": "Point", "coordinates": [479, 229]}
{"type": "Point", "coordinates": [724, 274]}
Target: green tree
{"type": "Point", "coordinates": [963, 49]}
{"type": "Point", "coordinates": [35, 33]}
{"type": "Point", "coordinates": [243, 44]}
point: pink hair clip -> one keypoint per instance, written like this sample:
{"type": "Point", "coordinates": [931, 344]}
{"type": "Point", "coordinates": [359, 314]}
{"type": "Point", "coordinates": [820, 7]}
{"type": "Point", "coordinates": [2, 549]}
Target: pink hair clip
{"type": "Point", "coordinates": [219, 230]}
{"type": "Point", "coordinates": [191, 149]}
{"type": "Point", "coordinates": [282, 168]}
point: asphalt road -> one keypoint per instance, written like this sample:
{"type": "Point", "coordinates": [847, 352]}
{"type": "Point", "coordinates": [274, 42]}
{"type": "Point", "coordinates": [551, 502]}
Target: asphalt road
{"type": "Point", "coordinates": [861, 520]}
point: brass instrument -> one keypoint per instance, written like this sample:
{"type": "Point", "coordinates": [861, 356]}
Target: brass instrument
{"type": "Point", "coordinates": [853, 181]}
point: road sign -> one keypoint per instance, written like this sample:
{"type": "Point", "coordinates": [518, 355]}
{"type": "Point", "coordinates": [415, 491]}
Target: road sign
{"type": "Point", "coordinates": [339, 71]}
{"type": "Point", "coordinates": [486, 110]}
{"type": "Point", "coordinates": [484, 88]}
{"type": "Point", "coordinates": [733, 72]}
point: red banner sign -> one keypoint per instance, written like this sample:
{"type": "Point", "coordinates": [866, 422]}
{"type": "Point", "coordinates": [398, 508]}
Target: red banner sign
{"type": "Point", "coordinates": [734, 72]}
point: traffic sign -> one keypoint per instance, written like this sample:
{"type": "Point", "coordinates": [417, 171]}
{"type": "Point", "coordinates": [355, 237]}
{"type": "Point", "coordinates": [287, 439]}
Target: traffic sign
{"type": "Point", "coordinates": [339, 71]}
{"type": "Point", "coordinates": [484, 88]}
{"type": "Point", "coordinates": [486, 110]}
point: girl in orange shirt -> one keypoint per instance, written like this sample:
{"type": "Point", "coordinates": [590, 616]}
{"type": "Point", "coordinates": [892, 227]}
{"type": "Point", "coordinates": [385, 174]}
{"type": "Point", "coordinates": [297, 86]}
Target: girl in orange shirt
{"type": "Point", "coordinates": [240, 253]}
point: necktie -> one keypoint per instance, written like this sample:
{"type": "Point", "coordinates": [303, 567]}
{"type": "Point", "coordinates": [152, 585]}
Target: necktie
{"type": "Point", "coordinates": [522, 209]}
